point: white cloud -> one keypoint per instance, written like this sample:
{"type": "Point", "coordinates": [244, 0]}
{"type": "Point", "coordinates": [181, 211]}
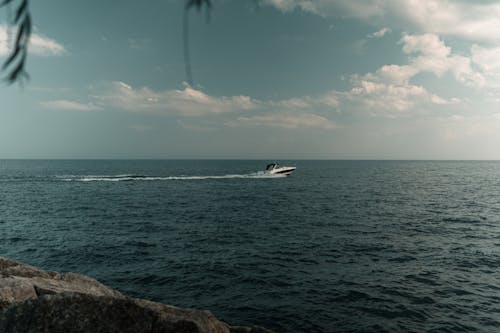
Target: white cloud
{"type": "Point", "coordinates": [394, 74]}
{"type": "Point", "coordinates": [427, 24]}
{"type": "Point", "coordinates": [369, 93]}
{"type": "Point", "coordinates": [389, 91]}
{"type": "Point", "coordinates": [380, 33]}
{"type": "Point", "coordinates": [285, 120]}
{"type": "Point", "coordinates": [70, 105]}
{"type": "Point", "coordinates": [187, 101]}
{"type": "Point", "coordinates": [428, 53]}
{"type": "Point", "coordinates": [356, 8]}
{"type": "Point", "coordinates": [293, 103]}
{"type": "Point", "coordinates": [288, 5]}
{"type": "Point", "coordinates": [427, 44]}
{"type": "Point", "coordinates": [460, 128]}
{"type": "Point", "coordinates": [44, 46]}
{"type": "Point", "coordinates": [376, 97]}
{"type": "Point", "coordinates": [487, 59]}
{"type": "Point", "coordinates": [471, 20]}
{"type": "Point", "coordinates": [39, 44]}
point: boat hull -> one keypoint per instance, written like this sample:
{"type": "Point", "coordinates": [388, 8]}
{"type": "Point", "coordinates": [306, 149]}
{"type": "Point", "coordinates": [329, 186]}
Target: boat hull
{"type": "Point", "coordinates": [282, 171]}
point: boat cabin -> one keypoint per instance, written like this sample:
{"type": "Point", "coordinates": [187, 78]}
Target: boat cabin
{"type": "Point", "coordinates": [271, 166]}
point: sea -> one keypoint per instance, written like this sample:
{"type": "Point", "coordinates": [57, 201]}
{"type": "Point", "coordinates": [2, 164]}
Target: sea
{"type": "Point", "coordinates": [338, 246]}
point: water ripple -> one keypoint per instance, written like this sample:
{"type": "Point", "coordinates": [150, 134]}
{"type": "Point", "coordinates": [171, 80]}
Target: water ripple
{"type": "Point", "coordinates": [340, 246]}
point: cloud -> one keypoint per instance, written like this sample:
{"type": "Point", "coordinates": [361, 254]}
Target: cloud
{"type": "Point", "coordinates": [379, 96]}
{"type": "Point", "coordinates": [487, 59]}
{"type": "Point", "coordinates": [358, 8]}
{"type": "Point", "coordinates": [470, 20]}
{"type": "Point", "coordinates": [391, 99]}
{"type": "Point", "coordinates": [186, 102]}
{"type": "Point", "coordinates": [70, 105]}
{"type": "Point", "coordinates": [39, 44]}
{"type": "Point", "coordinates": [459, 127]}
{"type": "Point", "coordinates": [389, 91]}
{"type": "Point", "coordinates": [192, 103]}
{"type": "Point", "coordinates": [288, 5]}
{"type": "Point", "coordinates": [427, 53]}
{"type": "Point", "coordinates": [380, 33]}
{"type": "Point", "coordinates": [395, 74]}
{"type": "Point", "coordinates": [427, 44]}
{"type": "Point", "coordinates": [44, 46]}
{"type": "Point", "coordinates": [427, 24]}
{"type": "Point", "coordinates": [377, 93]}
{"type": "Point", "coordinates": [293, 103]}
{"type": "Point", "coordinates": [189, 102]}
{"type": "Point", "coordinates": [285, 120]}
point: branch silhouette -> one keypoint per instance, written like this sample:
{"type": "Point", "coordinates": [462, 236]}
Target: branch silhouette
{"type": "Point", "coordinates": [185, 33]}
{"type": "Point", "coordinates": [16, 61]}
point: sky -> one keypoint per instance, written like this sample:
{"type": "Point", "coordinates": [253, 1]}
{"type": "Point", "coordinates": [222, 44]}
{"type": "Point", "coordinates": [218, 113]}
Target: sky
{"type": "Point", "coordinates": [272, 79]}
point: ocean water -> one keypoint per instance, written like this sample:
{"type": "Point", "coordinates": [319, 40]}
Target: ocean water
{"type": "Point", "coordinates": [339, 246]}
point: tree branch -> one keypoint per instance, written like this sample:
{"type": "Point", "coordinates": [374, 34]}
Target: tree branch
{"type": "Point", "coordinates": [198, 4]}
{"type": "Point", "coordinates": [16, 61]}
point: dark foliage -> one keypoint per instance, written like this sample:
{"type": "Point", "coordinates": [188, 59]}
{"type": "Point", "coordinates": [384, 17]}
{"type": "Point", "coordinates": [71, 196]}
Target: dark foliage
{"type": "Point", "coordinates": [16, 61]}
{"type": "Point", "coordinates": [187, 57]}
{"type": "Point", "coordinates": [198, 3]}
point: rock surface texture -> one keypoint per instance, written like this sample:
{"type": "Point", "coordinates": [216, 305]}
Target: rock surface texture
{"type": "Point", "coordinates": [33, 300]}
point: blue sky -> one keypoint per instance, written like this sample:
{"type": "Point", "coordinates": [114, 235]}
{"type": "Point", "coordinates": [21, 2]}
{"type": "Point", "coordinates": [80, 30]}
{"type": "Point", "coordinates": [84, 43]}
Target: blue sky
{"type": "Point", "coordinates": [287, 79]}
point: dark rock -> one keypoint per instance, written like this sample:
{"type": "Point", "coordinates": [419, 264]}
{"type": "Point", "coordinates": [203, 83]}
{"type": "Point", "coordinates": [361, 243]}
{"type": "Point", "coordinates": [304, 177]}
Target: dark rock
{"type": "Point", "coordinates": [33, 300]}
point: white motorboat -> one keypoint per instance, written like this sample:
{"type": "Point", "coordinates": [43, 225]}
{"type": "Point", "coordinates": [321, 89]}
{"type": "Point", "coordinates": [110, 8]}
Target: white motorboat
{"type": "Point", "coordinates": [276, 169]}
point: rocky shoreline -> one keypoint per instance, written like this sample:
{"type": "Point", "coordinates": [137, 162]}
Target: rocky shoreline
{"type": "Point", "coordinates": [34, 300]}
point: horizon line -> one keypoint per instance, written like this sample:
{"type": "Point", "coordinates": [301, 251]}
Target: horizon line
{"type": "Point", "coordinates": [238, 159]}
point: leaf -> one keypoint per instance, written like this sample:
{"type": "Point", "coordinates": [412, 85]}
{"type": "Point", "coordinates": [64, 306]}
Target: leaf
{"type": "Point", "coordinates": [5, 2]}
{"type": "Point", "coordinates": [16, 61]}
{"type": "Point", "coordinates": [21, 10]}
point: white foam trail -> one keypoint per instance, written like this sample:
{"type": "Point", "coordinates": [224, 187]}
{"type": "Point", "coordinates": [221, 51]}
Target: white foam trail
{"type": "Point", "coordinates": [120, 178]}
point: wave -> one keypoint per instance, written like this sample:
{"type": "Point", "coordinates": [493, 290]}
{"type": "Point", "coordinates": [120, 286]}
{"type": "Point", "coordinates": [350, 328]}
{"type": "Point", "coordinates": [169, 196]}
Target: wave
{"type": "Point", "coordinates": [125, 177]}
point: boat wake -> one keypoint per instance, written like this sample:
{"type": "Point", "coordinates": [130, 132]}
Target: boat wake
{"type": "Point", "coordinates": [121, 178]}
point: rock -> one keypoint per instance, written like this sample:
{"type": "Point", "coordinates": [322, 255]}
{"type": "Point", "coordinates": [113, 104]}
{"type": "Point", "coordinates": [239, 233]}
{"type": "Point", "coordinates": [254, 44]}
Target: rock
{"type": "Point", "coordinates": [33, 300]}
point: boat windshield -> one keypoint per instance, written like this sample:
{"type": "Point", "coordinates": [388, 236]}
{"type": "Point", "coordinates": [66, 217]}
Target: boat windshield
{"type": "Point", "coordinates": [271, 166]}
